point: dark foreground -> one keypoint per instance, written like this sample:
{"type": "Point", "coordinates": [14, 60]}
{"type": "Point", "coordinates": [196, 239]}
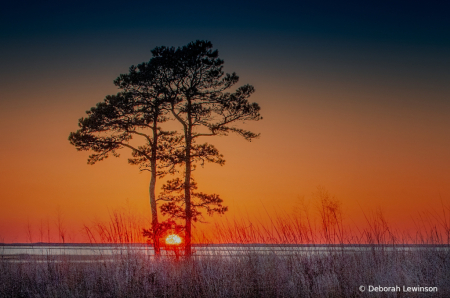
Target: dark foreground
{"type": "Point", "coordinates": [333, 273]}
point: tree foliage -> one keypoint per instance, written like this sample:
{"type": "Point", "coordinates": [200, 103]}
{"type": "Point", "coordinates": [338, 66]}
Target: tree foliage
{"type": "Point", "coordinates": [111, 126]}
{"type": "Point", "coordinates": [173, 196]}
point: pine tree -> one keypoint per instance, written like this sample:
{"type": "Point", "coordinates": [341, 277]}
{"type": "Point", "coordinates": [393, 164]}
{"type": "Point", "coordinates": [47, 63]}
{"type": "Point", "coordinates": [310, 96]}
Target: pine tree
{"type": "Point", "coordinates": [136, 112]}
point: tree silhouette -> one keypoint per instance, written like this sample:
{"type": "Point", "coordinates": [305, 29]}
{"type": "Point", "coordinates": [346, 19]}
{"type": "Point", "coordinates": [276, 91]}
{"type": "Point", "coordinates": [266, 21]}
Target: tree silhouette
{"type": "Point", "coordinates": [187, 83]}
{"type": "Point", "coordinates": [194, 83]}
{"type": "Point", "coordinates": [135, 112]}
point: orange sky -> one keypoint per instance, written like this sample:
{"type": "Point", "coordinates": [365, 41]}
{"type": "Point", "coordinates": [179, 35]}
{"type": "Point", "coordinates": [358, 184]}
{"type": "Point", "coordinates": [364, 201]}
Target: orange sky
{"type": "Point", "coordinates": [354, 96]}
{"type": "Point", "coordinates": [370, 147]}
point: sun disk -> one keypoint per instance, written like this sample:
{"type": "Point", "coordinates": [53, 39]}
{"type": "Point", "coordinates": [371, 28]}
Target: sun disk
{"type": "Point", "coordinates": [173, 239]}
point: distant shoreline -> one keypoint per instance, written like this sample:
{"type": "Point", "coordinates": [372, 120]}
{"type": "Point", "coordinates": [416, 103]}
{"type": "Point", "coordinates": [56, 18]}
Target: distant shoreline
{"type": "Point", "coordinates": [223, 245]}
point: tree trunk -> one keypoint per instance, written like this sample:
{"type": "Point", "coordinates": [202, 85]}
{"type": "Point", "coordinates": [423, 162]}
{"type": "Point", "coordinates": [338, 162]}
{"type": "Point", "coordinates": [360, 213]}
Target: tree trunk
{"type": "Point", "coordinates": [152, 187]}
{"type": "Point", "coordinates": [187, 183]}
{"type": "Point", "coordinates": [187, 197]}
{"type": "Point", "coordinates": [154, 210]}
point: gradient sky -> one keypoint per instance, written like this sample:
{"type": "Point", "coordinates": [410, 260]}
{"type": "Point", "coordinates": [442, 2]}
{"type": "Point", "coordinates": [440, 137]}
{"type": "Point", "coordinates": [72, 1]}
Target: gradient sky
{"type": "Point", "coordinates": [355, 98]}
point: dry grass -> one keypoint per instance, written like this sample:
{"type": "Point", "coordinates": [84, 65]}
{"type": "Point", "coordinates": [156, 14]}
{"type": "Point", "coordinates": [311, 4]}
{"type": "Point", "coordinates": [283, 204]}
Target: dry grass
{"type": "Point", "coordinates": [336, 271]}
{"type": "Point", "coordinates": [330, 274]}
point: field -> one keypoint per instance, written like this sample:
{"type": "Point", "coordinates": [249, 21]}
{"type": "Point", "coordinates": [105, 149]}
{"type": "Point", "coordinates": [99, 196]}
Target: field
{"type": "Point", "coordinates": [334, 272]}
{"type": "Point", "coordinates": [291, 257]}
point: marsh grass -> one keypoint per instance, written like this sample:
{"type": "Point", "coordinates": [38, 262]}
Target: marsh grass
{"type": "Point", "coordinates": [333, 273]}
{"type": "Point", "coordinates": [123, 227]}
{"type": "Point", "coordinates": [348, 258]}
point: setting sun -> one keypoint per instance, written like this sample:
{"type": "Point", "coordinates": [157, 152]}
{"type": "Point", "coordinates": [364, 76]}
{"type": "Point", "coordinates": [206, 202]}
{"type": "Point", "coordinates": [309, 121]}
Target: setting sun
{"type": "Point", "coordinates": [173, 239]}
